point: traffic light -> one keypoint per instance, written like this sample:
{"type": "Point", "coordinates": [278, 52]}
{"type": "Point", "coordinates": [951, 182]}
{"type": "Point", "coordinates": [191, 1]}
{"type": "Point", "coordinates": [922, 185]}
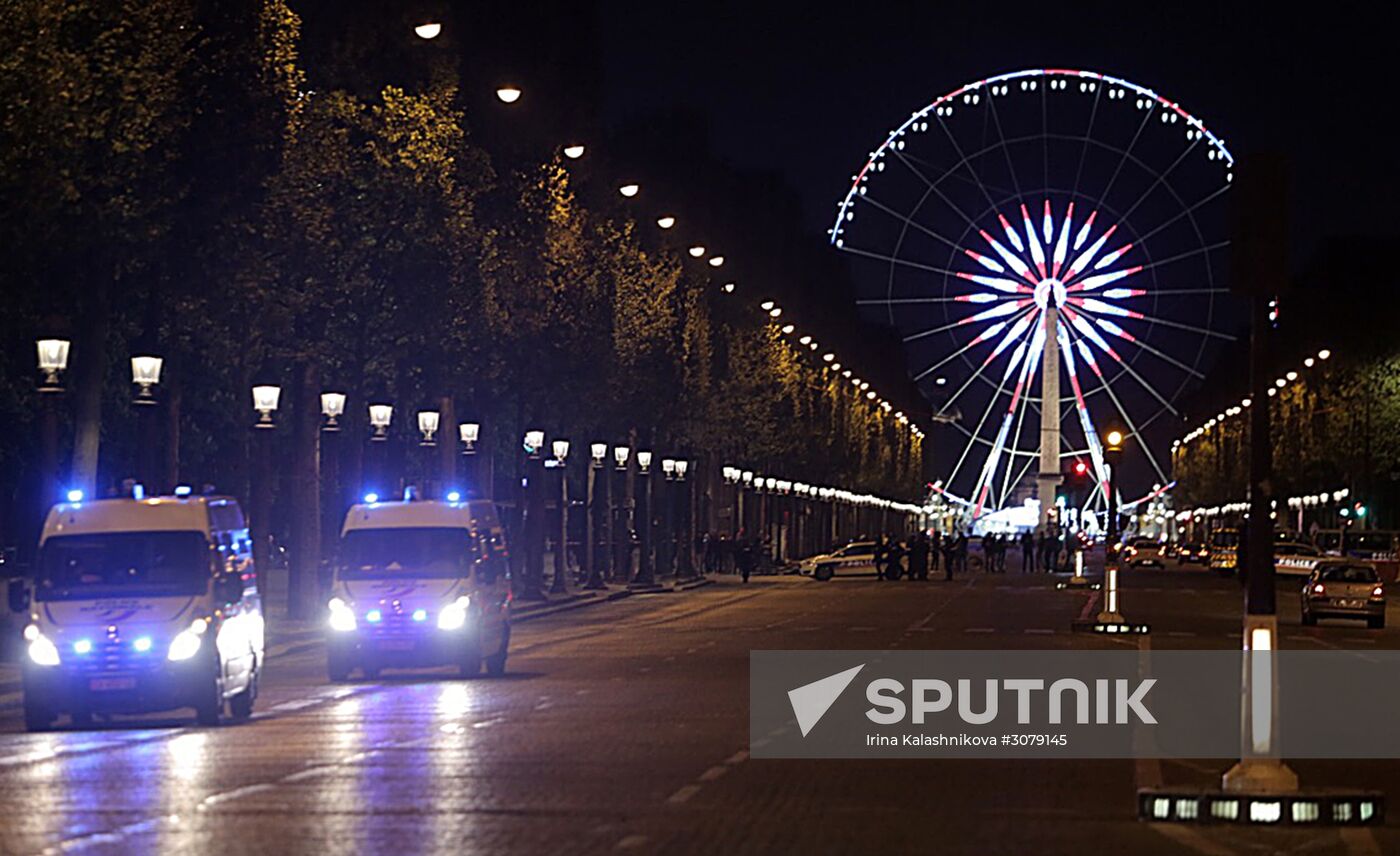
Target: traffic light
{"type": "Point", "coordinates": [1081, 469]}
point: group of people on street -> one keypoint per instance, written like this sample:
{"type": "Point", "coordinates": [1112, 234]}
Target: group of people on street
{"type": "Point", "coordinates": [743, 554]}
{"type": "Point", "coordinates": [1046, 550]}
{"type": "Point", "coordinates": [924, 553]}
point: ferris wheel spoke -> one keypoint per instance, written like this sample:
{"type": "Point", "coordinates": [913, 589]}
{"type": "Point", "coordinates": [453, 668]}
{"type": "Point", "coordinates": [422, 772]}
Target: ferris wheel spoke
{"type": "Point", "coordinates": [897, 301]}
{"type": "Point", "coordinates": [1122, 161]}
{"type": "Point", "coordinates": [933, 186]}
{"type": "Point", "coordinates": [1186, 211]}
{"type": "Point", "coordinates": [1084, 325]}
{"type": "Point", "coordinates": [1021, 352]}
{"type": "Point", "coordinates": [1160, 179]}
{"type": "Point", "coordinates": [1001, 135]}
{"type": "Point", "coordinates": [896, 260]}
{"type": "Point", "coordinates": [1178, 325]}
{"type": "Point", "coordinates": [1113, 329]}
{"type": "Point", "coordinates": [909, 221]}
{"type": "Point", "coordinates": [1017, 325]}
{"type": "Point", "coordinates": [976, 434]}
{"type": "Point", "coordinates": [964, 162]}
{"type": "Point", "coordinates": [1123, 411]}
{"type": "Point", "coordinates": [1088, 132]}
{"type": "Point", "coordinates": [1199, 251]}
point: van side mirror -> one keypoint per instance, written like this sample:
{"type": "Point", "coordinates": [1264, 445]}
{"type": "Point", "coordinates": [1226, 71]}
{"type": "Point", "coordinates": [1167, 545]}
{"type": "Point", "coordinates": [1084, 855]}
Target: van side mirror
{"type": "Point", "coordinates": [228, 588]}
{"type": "Point", "coordinates": [18, 593]}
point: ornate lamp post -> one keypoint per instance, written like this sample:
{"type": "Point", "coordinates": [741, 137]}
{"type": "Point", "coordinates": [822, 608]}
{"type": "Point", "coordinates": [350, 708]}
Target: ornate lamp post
{"type": "Point", "coordinates": [53, 361]}
{"type": "Point", "coordinates": [645, 569]}
{"type": "Point", "coordinates": [561, 545]}
{"type": "Point", "coordinates": [332, 407]}
{"type": "Point", "coordinates": [428, 421]}
{"type": "Point", "coordinates": [594, 550]}
{"type": "Point", "coordinates": [265, 400]}
{"type": "Point", "coordinates": [469, 432]}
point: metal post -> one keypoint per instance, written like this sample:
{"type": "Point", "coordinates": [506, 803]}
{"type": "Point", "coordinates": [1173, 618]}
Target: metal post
{"type": "Point", "coordinates": [561, 544]}
{"type": "Point", "coordinates": [645, 570]}
{"type": "Point", "coordinates": [1049, 476]}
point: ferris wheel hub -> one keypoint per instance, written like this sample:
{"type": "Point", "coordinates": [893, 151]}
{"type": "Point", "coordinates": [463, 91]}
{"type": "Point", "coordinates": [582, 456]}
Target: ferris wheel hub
{"type": "Point", "coordinates": [1047, 289]}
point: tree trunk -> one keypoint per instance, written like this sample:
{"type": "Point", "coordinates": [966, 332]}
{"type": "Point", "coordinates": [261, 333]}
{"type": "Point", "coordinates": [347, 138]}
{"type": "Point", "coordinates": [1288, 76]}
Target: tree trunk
{"type": "Point", "coordinates": [304, 562]}
{"type": "Point", "coordinates": [170, 460]}
{"type": "Point", "coordinates": [90, 374]}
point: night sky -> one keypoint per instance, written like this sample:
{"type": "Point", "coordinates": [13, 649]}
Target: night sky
{"type": "Point", "coordinates": [810, 90]}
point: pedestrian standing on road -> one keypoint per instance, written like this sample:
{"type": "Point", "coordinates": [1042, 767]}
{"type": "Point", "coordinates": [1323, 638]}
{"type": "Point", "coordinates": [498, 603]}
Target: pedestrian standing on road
{"type": "Point", "coordinates": [950, 556]}
{"type": "Point", "coordinates": [894, 566]}
{"type": "Point", "coordinates": [880, 558]}
{"type": "Point", "coordinates": [744, 554]}
{"type": "Point", "coordinates": [961, 552]}
{"type": "Point", "coordinates": [918, 558]}
{"type": "Point", "coordinates": [935, 547]}
{"type": "Point", "coordinates": [1027, 552]}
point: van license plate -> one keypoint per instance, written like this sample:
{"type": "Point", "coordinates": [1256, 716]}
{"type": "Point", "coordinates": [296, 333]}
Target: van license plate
{"type": "Point", "coordinates": [396, 645]}
{"type": "Point", "coordinates": [104, 684]}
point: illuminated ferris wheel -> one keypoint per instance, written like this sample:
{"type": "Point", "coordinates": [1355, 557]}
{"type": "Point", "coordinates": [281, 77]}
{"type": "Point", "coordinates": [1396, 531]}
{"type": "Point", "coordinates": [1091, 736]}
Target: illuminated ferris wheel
{"type": "Point", "coordinates": [1044, 230]}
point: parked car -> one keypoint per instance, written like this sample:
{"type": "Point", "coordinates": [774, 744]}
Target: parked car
{"type": "Point", "coordinates": [1294, 559]}
{"type": "Point", "coordinates": [1344, 588]}
{"type": "Point", "coordinates": [857, 557]}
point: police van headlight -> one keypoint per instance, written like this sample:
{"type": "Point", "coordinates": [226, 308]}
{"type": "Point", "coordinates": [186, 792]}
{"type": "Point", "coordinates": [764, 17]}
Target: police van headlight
{"type": "Point", "coordinates": [454, 615]}
{"type": "Point", "coordinates": [42, 651]}
{"type": "Point", "coordinates": [342, 618]}
{"type": "Point", "coordinates": [186, 643]}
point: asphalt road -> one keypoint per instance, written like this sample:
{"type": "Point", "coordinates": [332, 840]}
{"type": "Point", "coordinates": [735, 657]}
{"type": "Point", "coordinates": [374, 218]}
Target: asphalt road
{"type": "Point", "coordinates": [623, 727]}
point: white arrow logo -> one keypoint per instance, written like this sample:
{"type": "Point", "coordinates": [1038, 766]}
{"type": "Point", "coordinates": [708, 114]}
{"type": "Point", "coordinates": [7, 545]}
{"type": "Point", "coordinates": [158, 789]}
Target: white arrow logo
{"type": "Point", "coordinates": [810, 702]}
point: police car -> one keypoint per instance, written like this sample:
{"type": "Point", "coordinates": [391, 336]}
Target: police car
{"type": "Point", "coordinates": [856, 558]}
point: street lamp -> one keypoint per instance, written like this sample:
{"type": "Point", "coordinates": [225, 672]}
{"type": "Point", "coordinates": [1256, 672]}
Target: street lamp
{"type": "Point", "coordinates": [145, 373]}
{"type": "Point", "coordinates": [380, 415]}
{"type": "Point", "coordinates": [265, 399]}
{"type": "Point", "coordinates": [681, 466]}
{"type": "Point", "coordinates": [428, 426]}
{"type": "Point", "coordinates": [716, 261]}
{"type": "Point", "coordinates": [428, 30]}
{"type": "Point", "coordinates": [469, 432]}
{"type": "Point", "coordinates": [53, 361]}
{"type": "Point", "coordinates": [332, 407]}
{"type": "Point", "coordinates": [644, 462]}
{"type": "Point", "coordinates": [666, 222]}
{"type": "Point", "coordinates": [573, 152]}
{"type": "Point", "coordinates": [620, 454]}
{"type": "Point", "coordinates": [697, 251]}
{"type": "Point", "coordinates": [561, 451]}
{"type": "Point", "coordinates": [747, 476]}
{"type": "Point", "coordinates": [629, 190]}
{"type": "Point", "coordinates": [534, 442]}
{"type": "Point", "coordinates": [508, 94]}
{"type": "Point", "coordinates": [598, 451]}
{"type": "Point", "coordinates": [668, 468]}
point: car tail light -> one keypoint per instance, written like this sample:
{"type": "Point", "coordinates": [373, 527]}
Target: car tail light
{"type": "Point", "coordinates": [1318, 589]}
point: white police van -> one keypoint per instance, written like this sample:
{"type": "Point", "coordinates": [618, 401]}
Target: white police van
{"type": "Point", "coordinates": [420, 583]}
{"type": "Point", "coordinates": [139, 605]}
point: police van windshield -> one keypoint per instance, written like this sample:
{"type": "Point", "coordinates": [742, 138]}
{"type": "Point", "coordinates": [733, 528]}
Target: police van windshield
{"type": "Point", "coordinates": [437, 552]}
{"type": "Point", "coordinates": [122, 564]}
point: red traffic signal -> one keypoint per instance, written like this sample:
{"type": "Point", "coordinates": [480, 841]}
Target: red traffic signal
{"type": "Point", "coordinates": [1081, 469]}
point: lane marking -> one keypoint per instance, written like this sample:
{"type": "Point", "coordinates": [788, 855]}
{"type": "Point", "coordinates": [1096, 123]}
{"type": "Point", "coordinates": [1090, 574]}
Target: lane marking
{"type": "Point", "coordinates": [683, 795]}
{"type": "Point", "coordinates": [713, 773]}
